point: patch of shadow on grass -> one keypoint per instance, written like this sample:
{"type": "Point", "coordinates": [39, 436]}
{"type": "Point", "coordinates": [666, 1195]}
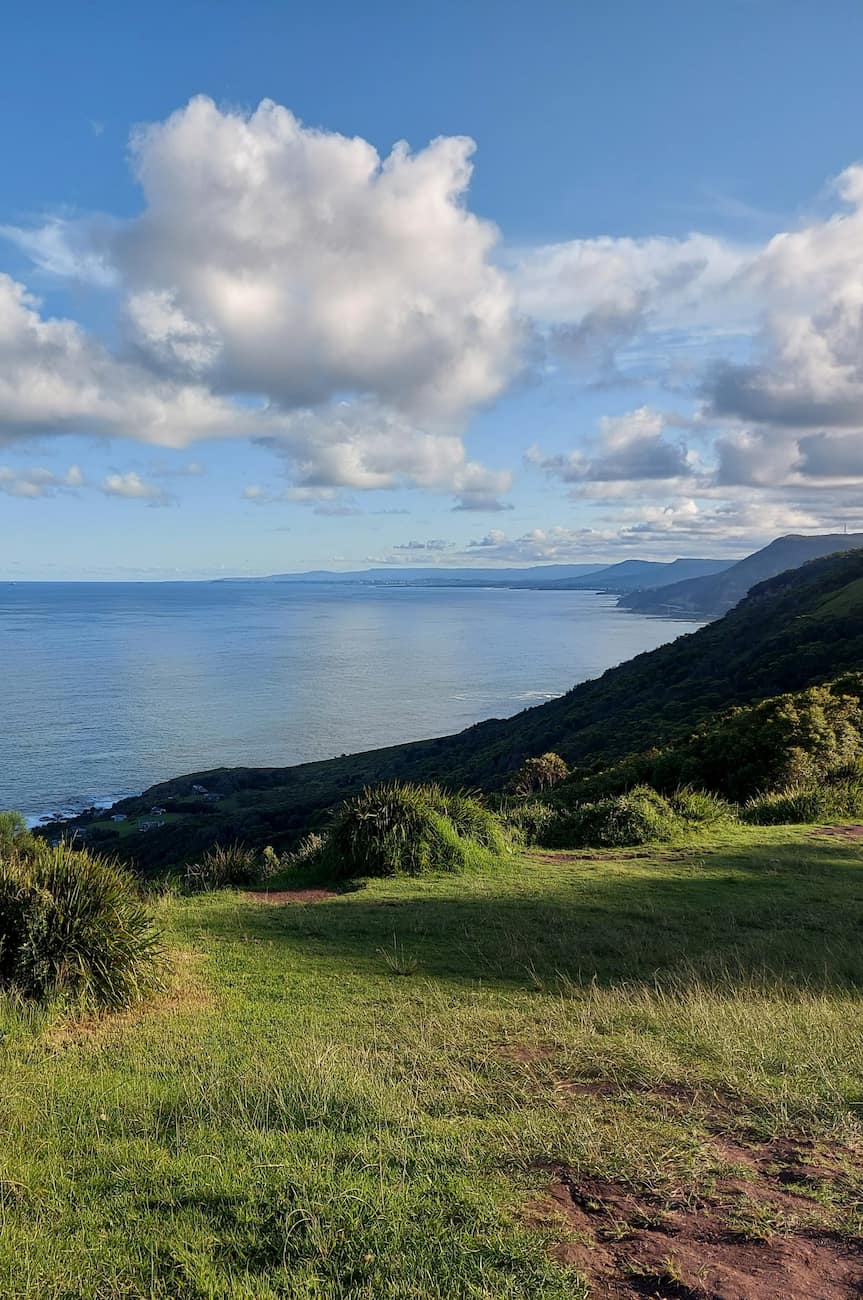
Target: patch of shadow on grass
{"type": "Point", "coordinates": [784, 915]}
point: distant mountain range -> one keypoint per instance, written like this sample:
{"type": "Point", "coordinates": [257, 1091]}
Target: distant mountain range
{"type": "Point", "coordinates": [627, 575]}
{"type": "Point", "coordinates": [434, 575]}
{"type": "Point", "coordinates": [633, 575]}
{"type": "Point", "coordinates": [720, 592]}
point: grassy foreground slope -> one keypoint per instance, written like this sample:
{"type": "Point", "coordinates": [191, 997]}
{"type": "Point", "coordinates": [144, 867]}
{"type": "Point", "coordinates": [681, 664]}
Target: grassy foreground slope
{"type": "Point", "coordinates": [800, 628]}
{"type": "Point", "coordinates": [413, 1091]}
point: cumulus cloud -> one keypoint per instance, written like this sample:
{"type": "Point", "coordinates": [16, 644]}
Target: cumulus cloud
{"type": "Point", "coordinates": [628, 449]}
{"type": "Point", "coordinates": [788, 414]}
{"type": "Point", "coordinates": [39, 481]}
{"type": "Point", "coordinates": [276, 275]}
{"type": "Point", "coordinates": [434, 544]}
{"type": "Point", "coordinates": [742, 523]}
{"type": "Point", "coordinates": [538, 545]}
{"type": "Point", "coordinates": [361, 446]}
{"type": "Point", "coordinates": [55, 379]}
{"type": "Point", "coordinates": [831, 456]}
{"type": "Point", "coordinates": [811, 283]}
{"type": "Point", "coordinates": [347, 310]}
{"type": "Point", "coordinates": [591, 298]}
{"type": "Point", "coordinates": [300, 264]}
{"type": "Point", "coordinates": [132, 487]}
{"type": "Point", "coordinates": [684, 527]}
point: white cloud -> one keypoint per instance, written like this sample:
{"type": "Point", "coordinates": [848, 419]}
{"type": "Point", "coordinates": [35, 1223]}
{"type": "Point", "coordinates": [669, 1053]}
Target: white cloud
{"type": "Point", "coordinates": [628, 449]}
{"type": "Point", "coordinates": [39, 481]}
{"type": "Point", "coordinates": [563, 545]}
{"type": "Point", "coordinates": [54, 379]}
{"type": "Point", "coordinates": [297, 263]}
{"type": "Point", "coordinates": [680, 528]}
{"type": "Point", "coordinates": [361, 445]}
{"type": "Point", "coordinates": [133, 488]}
{"type": "Point", "coordinates": [290, 286]}
{"type": "Point", "coordinates": [745, 523]}
{"type": "Point", "coordinates": [66, 248]}
{"type": "Point", "coordinates": [791, 414]}
{"type": "Point", "coordinates": [798, 408]}
{"type": "Point", "coordinates": [435, 544]}
{"type": "Point", "coordinates": [591, 299]}
{"type": "Point", "coordinates": [282, 283]}
{"type": "Point", "coordinates": [170, 337]}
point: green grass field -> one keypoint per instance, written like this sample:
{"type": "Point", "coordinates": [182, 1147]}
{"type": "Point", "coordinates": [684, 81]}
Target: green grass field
{"type": "Point", "coordinates": [461, 1087]}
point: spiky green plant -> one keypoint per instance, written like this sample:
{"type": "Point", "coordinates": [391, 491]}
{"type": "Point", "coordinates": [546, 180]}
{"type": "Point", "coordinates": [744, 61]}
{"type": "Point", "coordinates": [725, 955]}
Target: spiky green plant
{"type": "Point", "coordinates": [225, 866]}
{"type": "Point", "coordinates": [72, 923]}
{"type": "Point", "coordinates": [701, 808]}
{"type": "Point", "coordinates": [396, 829]}
{"type": "Point", "coordinates": [472, 819]}
{"type": "Point", "coordinates": [828, 801]}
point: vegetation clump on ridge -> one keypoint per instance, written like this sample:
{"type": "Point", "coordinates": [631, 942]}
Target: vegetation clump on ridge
{"type": "Point", "coordinates": [72, 925]}
{"type": "Point", "coordinates": [839, 799]}
{"type": "Point", "coordinates": [396, 829]}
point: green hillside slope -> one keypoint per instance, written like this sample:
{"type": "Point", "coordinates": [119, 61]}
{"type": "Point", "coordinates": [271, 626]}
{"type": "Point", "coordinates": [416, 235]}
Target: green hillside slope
{"type": "Point", "coordinates": [719, 593]}
{"type": "Point", "coordinates": [802, 627]}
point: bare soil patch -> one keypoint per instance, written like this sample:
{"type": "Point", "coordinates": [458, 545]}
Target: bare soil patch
{"type": "Point", "coordinates": [756, 1233]}
{"type": "Point", "coordinates": [278, 897]}
{"type": "Point", "coordinates": [628, 1244]}
{"type": "Point", "coordinates": [840, 832]}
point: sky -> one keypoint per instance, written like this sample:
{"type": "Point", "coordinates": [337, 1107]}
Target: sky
{"type": "Point", "coordinates": [299, 286]}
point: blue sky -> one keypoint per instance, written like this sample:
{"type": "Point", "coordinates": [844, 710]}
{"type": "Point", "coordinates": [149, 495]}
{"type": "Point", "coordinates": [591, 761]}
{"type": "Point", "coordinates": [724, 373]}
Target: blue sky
{"type": "Point", "coordinates": [239, 334]}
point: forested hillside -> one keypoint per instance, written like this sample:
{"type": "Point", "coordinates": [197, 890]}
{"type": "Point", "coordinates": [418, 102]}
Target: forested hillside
{"type": "Point", "coordinates": [802, 627]}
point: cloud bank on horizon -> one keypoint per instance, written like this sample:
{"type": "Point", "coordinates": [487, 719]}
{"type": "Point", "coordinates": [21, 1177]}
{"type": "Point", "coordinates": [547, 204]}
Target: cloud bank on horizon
{"type": "Point", "coordinates": [351, 315]}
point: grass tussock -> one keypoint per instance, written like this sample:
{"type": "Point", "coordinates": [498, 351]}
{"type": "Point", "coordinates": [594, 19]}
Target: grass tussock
{"type": "Point", "coordinates": [225, 866]}
{"type": "Point", "coordinates": [839, 800]}
{"type": "Point", "coordinates": [399, 829]}
{"type": "Point", "coordinates": [640, 816]}
{"type": "Point", "coordinates": [72, 925]}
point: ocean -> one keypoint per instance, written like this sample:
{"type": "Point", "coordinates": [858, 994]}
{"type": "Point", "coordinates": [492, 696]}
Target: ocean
{"type": "Point", "coordinates": [110, 687]}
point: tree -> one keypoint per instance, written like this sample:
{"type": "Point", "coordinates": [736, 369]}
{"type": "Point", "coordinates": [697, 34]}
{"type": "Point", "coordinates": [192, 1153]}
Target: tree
{"type": "Point", "coordinates": [537, 774]}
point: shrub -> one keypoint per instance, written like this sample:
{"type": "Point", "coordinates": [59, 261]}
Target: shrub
{"type": "Point", "coordinates": [225, 866]}
{"type": "Point", "coordinates": [308, 853]}
{"type": "Point", "coordinates": [787, 740]}
{"type": "Point", "coordinates": [71, 923]}
{"type": "Point", "coordinates": [784, 741]}
{"type": "Point", "coordinates": [838, 800]}
{"type": "Point", "coordinates": [397, 829]}
{"type": "Point", "coordinates": [700, 808]}
{"type": "Point", "coordinates": [473, 820]}
{"type": "Point", "coordinates": [15, 838]}
{"type": "Point", "coordinates": [638, 817]}
{"type": "Point", "coordinates": [530, 822]}
{"type": "Point", "coordinates": [538, 774]}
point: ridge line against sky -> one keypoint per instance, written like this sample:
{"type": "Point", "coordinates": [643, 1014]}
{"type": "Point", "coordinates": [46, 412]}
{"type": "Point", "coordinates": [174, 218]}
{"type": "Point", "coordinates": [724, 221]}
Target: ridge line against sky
{"type": "Point", "coordinates": [286, 347]}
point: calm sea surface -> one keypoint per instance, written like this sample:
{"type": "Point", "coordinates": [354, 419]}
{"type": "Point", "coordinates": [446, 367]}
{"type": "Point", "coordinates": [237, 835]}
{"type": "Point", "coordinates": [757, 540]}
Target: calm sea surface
{"type": "Point", "coordinates": [107, 688]}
